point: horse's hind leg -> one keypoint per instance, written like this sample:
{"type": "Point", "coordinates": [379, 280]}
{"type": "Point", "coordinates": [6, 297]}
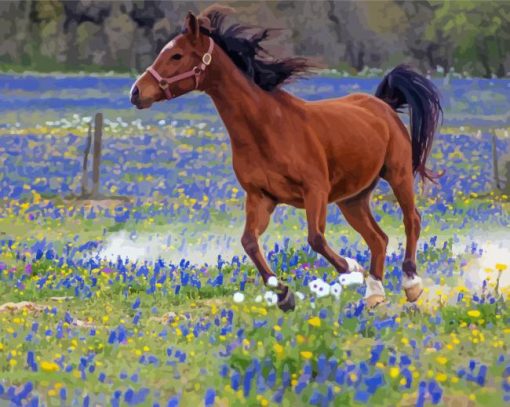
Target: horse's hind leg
{"type": "Point", "coordinates": [402, 183]}
{"type": "Point", "coordinates": [357, 213]}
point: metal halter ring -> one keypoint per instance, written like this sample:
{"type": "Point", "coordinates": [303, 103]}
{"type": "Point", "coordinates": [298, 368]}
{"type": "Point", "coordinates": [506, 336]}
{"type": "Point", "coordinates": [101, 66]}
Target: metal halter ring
{"type": "Point", "coordinates": [207, 58]}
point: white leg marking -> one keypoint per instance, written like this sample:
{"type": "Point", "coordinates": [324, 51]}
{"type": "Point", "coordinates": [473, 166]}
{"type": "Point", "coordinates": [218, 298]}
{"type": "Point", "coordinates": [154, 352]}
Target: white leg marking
{"type": "Point", "coordinates": [408, 282]}
{"type": "Point", "coordinates": [374, 287]}
{"type": "Point", "coordinates": [353, 265]}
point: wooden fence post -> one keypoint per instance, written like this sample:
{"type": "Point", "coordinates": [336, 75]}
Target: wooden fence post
{"type": "Point", "coordinates": [84, 174]}
{"type": "Point", "coordinates": [98, 136]}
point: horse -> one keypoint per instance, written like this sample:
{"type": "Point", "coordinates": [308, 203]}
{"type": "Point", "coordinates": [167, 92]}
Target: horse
{"type": "Point", "coordinates": [286, 150]}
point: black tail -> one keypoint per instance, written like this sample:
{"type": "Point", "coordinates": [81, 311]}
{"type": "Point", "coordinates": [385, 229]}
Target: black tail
{"type": "Point", "coordinates": [402, 86]}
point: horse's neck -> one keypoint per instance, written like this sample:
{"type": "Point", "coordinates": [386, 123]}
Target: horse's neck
{"type": "Point", "coordinates": [243, 106]}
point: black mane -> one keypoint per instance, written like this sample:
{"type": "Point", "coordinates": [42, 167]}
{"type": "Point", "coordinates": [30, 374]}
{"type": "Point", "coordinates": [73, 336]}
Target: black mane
{"type": "Point", "coordinates": [242, 43]}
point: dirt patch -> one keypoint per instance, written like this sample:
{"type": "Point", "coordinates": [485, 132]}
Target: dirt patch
{"type": "Point", "coordinates": [13, 307]}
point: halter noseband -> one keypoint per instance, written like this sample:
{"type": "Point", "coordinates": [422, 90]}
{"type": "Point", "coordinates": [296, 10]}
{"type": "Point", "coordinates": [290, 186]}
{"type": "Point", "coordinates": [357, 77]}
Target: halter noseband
{"type": "Point", "coordinates": [195, 72]}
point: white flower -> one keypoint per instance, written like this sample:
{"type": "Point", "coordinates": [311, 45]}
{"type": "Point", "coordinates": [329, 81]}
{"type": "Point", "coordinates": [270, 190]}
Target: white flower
{"type": "Point", "coordinates": [314, 285]}
{"type": "Point", "coordinates": [323, 290]}
{"type": "Point", "coordinates": [271, 298]}
{"type": "Point", "coordinates": [258, 298]}
{"type": "Point", "coordinates": [319, 287]}
{"type": "Point", "coordinates": [336, 290]}
{"type": "Point", "coordinates": [272, 281]}
{"type": "Point", "coordinates": [351, 278]}
{"type": "Point", "coordinates": [238, 297]}
{"type": "Point", "coordinates": [300, 295]}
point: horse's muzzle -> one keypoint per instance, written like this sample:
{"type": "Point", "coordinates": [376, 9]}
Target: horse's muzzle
{"type": "Point", "coordinates": [135, 96]}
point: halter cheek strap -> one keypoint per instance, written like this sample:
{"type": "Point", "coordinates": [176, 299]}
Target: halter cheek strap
{"type": "Point", "coordinates": [195, 72]}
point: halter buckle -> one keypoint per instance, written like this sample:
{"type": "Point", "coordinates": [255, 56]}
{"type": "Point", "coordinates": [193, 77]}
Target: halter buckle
{"type": "Point", "coordinates": [207, 58]}
{"type": "Point", "coordinates": [163, 84]}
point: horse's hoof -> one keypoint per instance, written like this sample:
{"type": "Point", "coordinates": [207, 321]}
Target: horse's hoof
{"type": "Point", "coordinates": [375, 300]}
{"type": "Point", "coordinates": [414, 292]}
{"type": "Point", "coordinates": [288, 303]}
{"type": "Point", "coordinates": [413, 288]}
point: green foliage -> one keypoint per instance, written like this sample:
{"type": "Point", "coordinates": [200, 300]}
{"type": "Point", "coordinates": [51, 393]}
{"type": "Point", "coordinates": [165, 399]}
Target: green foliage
{"type": "Point", "coordinates": [467, 36]}
{"type": "Point", "coordinates": [479, 30]}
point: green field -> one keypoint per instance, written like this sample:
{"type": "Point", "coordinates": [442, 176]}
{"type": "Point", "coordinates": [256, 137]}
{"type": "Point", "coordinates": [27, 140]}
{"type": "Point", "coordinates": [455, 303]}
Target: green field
{"type": "Point", "coordinates": [158, 326]}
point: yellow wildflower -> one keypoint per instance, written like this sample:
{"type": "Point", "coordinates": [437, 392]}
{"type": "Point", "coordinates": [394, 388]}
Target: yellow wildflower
{"type": "Point", "coordinates": [394, 372]}
{"type": "Point", "coordinates": [49, 366]}
{"type": "Point", "coordinates": [441, 360]}
{"type": "Point", "coordinates": [306, 354]}
{"type": "Point", "coordinates": [315, 321]}
{"type": "Point", "coordinates": [441, 377]}
{"type": "Point", "coordinates": [278, 348]}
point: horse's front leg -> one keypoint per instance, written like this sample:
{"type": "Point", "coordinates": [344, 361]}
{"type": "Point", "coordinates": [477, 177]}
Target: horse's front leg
{"type": "Point", "coordinates": [316, 203]}
{"type": "Point", "coordinates": [259, 208]}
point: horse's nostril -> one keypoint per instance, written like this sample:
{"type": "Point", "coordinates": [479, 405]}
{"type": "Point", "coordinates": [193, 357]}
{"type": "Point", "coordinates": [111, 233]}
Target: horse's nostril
{"type": "Point", "coordinates": [135, 95]}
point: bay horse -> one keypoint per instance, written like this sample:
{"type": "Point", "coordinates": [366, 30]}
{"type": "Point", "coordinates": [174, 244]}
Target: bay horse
{"type": "Point", "coordinates": [305, 154]}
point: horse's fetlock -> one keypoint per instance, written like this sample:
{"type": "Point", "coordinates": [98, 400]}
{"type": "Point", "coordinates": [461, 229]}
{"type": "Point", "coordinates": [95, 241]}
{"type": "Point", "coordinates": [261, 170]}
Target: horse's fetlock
{"type": "Point", "coordinates": [409, 268]}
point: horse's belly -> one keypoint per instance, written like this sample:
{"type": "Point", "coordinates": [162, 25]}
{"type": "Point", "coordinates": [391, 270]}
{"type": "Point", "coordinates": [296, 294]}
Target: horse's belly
{"type": "Point", "coordinates": [280, 187]}
{"type": "Point", "coordinates": [284, 189]}
{"type": "Point", "coordinates": [351, 184]}
{"type": "Point", "coordinates": [355, 169]}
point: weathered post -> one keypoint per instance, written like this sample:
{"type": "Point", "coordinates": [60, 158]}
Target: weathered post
{"type": "Point", "coordinates": [84, 174]}
{"type": "Point", "coordinates": [98, 136]}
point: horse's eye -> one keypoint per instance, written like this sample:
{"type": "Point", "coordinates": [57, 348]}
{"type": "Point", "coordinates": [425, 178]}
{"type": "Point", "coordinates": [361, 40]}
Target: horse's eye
{"type": "Point", "coordinates": [176, 57]}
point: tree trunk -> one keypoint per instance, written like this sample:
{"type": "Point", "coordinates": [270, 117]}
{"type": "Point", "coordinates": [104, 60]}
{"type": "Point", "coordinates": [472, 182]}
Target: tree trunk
{"type": "Point", "coordinates": [500, 71]}
{"type": "Point", "coordinates": [484, 60]}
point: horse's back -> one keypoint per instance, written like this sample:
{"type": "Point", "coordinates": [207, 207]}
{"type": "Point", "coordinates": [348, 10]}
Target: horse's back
{"type": "Point", "coordinates": [370, 103]}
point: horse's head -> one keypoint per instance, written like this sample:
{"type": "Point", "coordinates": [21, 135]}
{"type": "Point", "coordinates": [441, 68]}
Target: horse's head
{"type": "Point", "coordinates": [179, 68]}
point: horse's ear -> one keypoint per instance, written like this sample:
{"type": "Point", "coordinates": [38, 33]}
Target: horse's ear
{"type": "Point", "coordinates": [191, 25]}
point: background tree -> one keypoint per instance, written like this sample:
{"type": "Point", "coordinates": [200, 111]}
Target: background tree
{"type": "Point", "coordinates": [125, 35]}
{"type": "Point", "coordinates": [480, 34]}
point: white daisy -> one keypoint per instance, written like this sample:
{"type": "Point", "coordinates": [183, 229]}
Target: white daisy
{"type": "Point", "coordinates": [271, 298]}
{"type": "Point", "coordinates": [336, 290]}
{"type": "Point", "coordinates": [323, 289]}
{"type": "Point", "coordinates": [272, 281]}
{"type": "Point", "coordinates": [314, 285]}
{"type": "Point", "coordinates": [238, 297]}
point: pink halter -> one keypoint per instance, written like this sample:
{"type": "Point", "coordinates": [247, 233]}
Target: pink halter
{"type": "Point", "coordinates": [194, 72]}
